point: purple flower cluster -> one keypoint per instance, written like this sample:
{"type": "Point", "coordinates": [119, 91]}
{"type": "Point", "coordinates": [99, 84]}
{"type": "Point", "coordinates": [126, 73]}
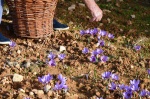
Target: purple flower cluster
{"type": "Point", "coordinates": [89, 31]}
{"type": "Point", "coordinates": [61, 84]}
{"type": "Point", "coordinates": [148, 71]}
{"type": "Point", "coordinates": [52, 57]}
{"type": "Point", "coordinates": [107, 75]}
{"type": "Point", "coordinates": [45, 79]}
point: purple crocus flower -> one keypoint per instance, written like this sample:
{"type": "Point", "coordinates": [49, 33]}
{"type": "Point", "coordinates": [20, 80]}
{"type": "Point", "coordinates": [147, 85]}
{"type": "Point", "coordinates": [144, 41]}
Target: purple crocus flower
{"type": "Point", "coordinates": [101, 43]}
{"type": "Point", "coordinates": [12, 44]}
{"type": "Point", "coordinates": [127, 95]}
{"type": "Point", "coordinates": [106, 75]}
{"type": "Point", "coordinates": [87, 31]}
{"type": "Point", "coordinates": [93, 59]}
{"type": "Point", "coordinates": [82, 32]}
{"type": "Point", "coordinates": [104, 58]}
{"type": "Point", "coordinates": [61, 78]}
{"type": "Point", "coordinates": [94, 53]}
{"type": "Point", "coordinates": [61, 56]}
{"type": "Point", "coordinates": [99, 51]}
{"type": "Point", "coordinates": [148, 71]}
{"type": "Point", "coordinates": [52, 62]}
{"type": "Point", "coordinates": [121, 86]}
{"type": "Point", "coordinates": [148, 93]}
{"type": "Point", "coordinates": [143, 93]}
{"type": "Point", "coordinates": [134, 87]}
{"type": "Point", "coordinates": [45, 79]}
{"type": "Point", "coordinates": [111, 36]}
{"type": "Point", "coordinates": [99, 37]}
{"type": "Point", "coordinates": [51, 55]}
{"type": "Point", "coordinates": [85, 50]}
{"type": "Point", "coordinates": [128, 88]}
{"type": "Point", "coordinates": [115, 77]}
{"type": "Point", "coordinates": [102, 33]}
{"type": "Point", "coordinates": [99, 98]}
{"type": "Point", "coordinates": [94, 31]}
{"type": "Point", "coordinates": [134, 82]}
{"type": "Point", "coordinates": [60, 86]}
{"type": "Point", "coordinates": [137, 47]}
{"type": "Point", "coordinates": [112, 86]}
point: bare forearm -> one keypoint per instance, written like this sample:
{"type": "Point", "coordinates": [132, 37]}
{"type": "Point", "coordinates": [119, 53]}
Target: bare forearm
{"type": "Point", "coordinates": [91, 4]}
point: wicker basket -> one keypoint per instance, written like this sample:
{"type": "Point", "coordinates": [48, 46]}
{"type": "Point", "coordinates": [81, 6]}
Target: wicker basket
{"type": "Point", "coordinates": [32, 18]}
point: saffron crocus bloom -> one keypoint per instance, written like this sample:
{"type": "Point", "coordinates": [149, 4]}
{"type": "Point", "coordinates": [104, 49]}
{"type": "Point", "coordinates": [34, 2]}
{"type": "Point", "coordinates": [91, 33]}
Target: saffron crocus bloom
{"type": "Point", "coordinates": [137, 47]}
{"type": "Point", "coordinates": [106, 75]}
{"type": "Point", "coordinates": [134, 82]}
{"type": "Point", "coordinates": [45, 79]}
{"type": "Point", "coordinates": [112, 86]}
{"type": "Point", "coordinates": [99, 98]}
{"type": "Point", "coordinates": [111, 36]}
{"type": "Point", "coordinates": [143, 93]}
{"type": "Point", "coordinates": [94, 31]}
{"type": "Point", "coordinates": [12, 44]}
{"type": "Point", "coordinates": [60, 86]}
{"type": "Point", "coordinates": [101, 43]}
{"type": "Point", "coordinates": [102, 33]}
{"type": "Point", "coordinates": [51, 55]}
{"type": "Point", "coordinates": [61, 56]}
{"type": "Point", "coordinates": [115, 77]}
{"type": "Point", "coordinates": [104, 58]}
{"type": "Point", "coordinates": [99, 51]}
{"type": "Point", "coordinates": [148, 71]}
{"type": "Point", "coordinates": [82, 32]}
{"type": "Point", "coordinates": [87, 31]}
{"type": "Point", "coordinates": [94, 53]}
{"type": "Point", "coordinates": [134, 87]}
{"type": "Point", "coordinates": [127, 95]}
{"type": "Point", "coordinates": [121, 86]}
{"type": "Point", "coordinates": [128, 89]}
{"type": "Point", "coordinates": [61, 78]}
{"type": "Point", "coordinates": [85, 50]}
{"type": "Point", "coordinates": [93, 59]}
{"type": "Point", "coordinates": [52, 62]}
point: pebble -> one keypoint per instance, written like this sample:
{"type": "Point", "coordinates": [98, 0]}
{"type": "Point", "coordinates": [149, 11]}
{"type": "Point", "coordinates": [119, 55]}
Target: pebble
{"type": "Point", "coordinates": [62, 48]}
{"type": "Point", "coordinates": [5, 49]}
{"type": "Point", "coordinates": [22, 90]}
{"type": "Point", "coordinates": [81, 4]}
{"type": "Point", "coordinates": [47, 88]}
{"type": "Point", "coordinates": [133, 16]}
{"type": "Point", "coordinates": [31, 93]}
{"type": "Point", "coordinates": [17, 78]}
{"type": "Point", "coordinates": [72, 7]}
{"type": "Point", "coordinates": [18, 52]}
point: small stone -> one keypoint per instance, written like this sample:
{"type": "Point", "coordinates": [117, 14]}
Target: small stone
{"type": "Point", "coordinates": [81, 4]}
{"type": "Point", "coordinates": [62, 48]}
{"type": "Point", "coordinates": [5, 49]}
{"type": "Point", "coordinates": [133, 16]}
{"type": "Point", "coordinates": [132, 66]}
{"type": "Point", "coordinates": [72, 7]}
{"type": "Point", "coordinates": [108, 19]}
{"type": "Point", "coordinates": [47, 88]}
{"type": "Point", "coordinates": [17, 78]}
{"type": "Point", "coordinates": [34, 73]}
{"type": "Point", "coordinates": [31, 93]}
{"type": "Point", "coordinates": [17, 66]}
{"type": "Point", "coordinates": [18, 52]}
{"type": "Point", "coordinates": [22, 90]}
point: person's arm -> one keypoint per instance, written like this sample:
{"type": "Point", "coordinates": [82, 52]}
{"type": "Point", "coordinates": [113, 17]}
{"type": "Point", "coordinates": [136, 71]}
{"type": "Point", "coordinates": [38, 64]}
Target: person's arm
{"type": "Point", "coordinates": [94, 9]}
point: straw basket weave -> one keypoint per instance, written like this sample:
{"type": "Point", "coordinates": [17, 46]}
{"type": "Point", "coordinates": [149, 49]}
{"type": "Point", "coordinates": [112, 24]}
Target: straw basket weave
{"type": "Point", "coordinates": [32, 18]}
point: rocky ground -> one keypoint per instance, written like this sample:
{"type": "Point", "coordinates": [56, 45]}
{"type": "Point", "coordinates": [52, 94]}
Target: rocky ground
{"type": "Point", "coordinates": [21, 65]}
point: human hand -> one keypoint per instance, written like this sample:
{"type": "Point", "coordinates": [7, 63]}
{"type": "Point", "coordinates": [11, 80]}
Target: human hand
{"type": "Point", "coordinates": [96, 13]}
